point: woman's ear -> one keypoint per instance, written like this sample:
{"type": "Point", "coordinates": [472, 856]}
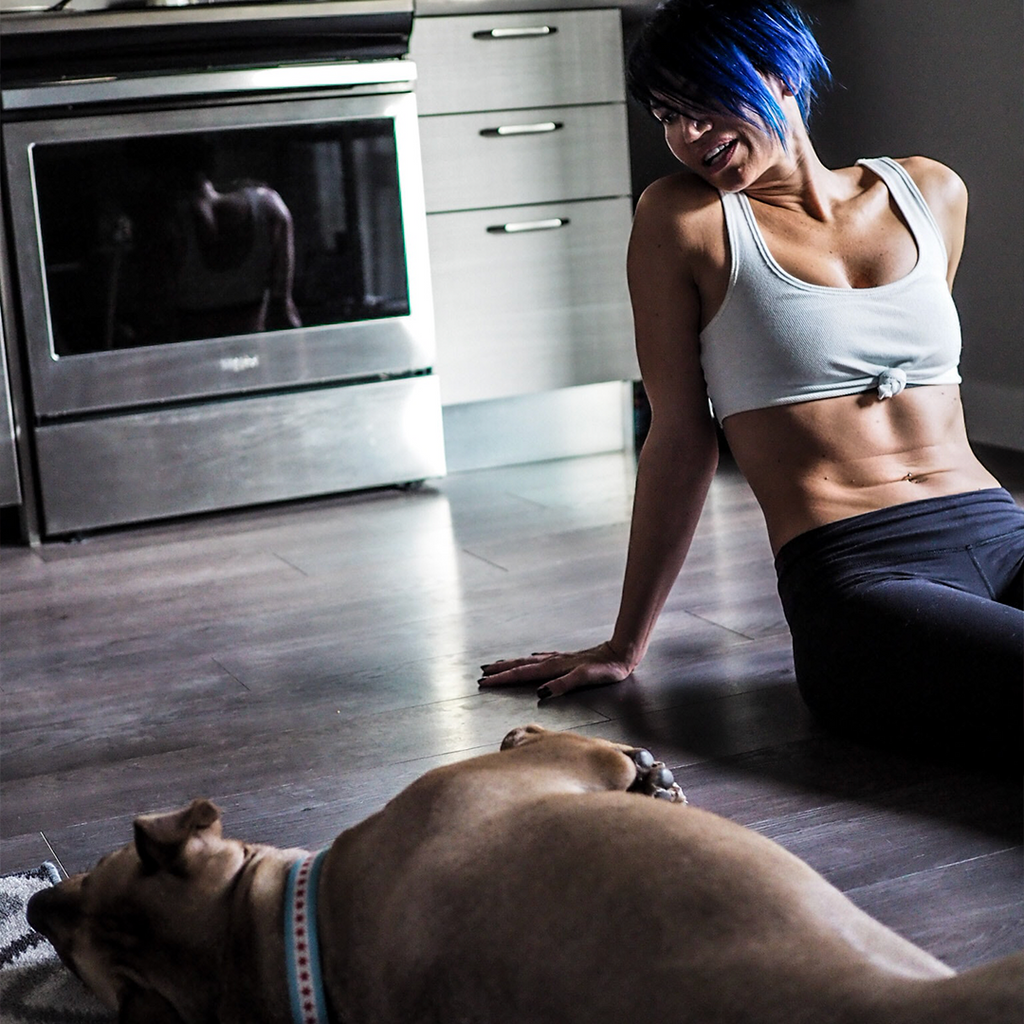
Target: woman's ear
{"type": "Point", "coordinates": [779, 88]}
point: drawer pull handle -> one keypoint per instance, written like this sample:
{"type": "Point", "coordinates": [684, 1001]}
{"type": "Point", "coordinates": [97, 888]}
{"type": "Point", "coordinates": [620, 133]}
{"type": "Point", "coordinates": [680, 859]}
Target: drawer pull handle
{"type": "Point", "coordinates": [529, 225]}
{"type": "Point", "coordinates": [522, 32]}
{"type": "Point", "coordinates": [522, 129]}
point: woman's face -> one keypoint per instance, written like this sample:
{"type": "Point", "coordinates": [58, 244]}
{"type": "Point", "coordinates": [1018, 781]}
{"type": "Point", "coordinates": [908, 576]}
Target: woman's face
{"type": "Point", "coordinates": [725, 150]}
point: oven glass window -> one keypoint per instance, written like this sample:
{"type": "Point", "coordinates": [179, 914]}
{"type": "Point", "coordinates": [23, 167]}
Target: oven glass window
{"type": "Point", "coordinates": [150, 240]}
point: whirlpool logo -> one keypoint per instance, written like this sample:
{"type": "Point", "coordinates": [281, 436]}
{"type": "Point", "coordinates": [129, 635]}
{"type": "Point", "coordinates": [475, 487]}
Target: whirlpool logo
{"type": "Point", "coordinates": [237, 364]}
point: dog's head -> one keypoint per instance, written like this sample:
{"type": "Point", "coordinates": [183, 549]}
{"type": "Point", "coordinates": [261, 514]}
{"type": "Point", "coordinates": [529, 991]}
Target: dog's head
{"type": "Point", "coordinates": [143, 929]}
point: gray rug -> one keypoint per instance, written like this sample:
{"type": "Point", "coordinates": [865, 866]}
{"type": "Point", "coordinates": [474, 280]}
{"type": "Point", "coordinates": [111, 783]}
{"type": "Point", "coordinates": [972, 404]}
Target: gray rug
{"type": "Point", "coordinates": [35, 987]}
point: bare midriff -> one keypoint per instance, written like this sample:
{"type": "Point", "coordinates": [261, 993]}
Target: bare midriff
{"type": "Point", "coordinates": [817, 462]}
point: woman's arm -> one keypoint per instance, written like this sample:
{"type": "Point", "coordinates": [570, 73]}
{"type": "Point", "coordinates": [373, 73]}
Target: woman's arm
{"type": "Point", "coordinates": [680, 454]}
{"type": "Point", "coordinates": [678, 458]}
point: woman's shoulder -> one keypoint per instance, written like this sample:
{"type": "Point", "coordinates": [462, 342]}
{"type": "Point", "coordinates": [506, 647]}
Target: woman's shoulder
{"type": "Point", "coordinates": [682, 193]}
{"type": "Point", "coordinates": [943, 189]}
{"type": "Point", "coordinates": [682, 207]}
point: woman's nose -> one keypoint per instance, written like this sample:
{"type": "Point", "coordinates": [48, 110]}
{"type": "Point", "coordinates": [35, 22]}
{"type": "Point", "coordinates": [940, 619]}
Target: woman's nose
{"type": "Point", "coordinates": [694, 128]}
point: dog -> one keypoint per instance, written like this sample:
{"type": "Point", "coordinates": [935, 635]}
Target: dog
{"type": "Point", "coordinates": [560, 880]}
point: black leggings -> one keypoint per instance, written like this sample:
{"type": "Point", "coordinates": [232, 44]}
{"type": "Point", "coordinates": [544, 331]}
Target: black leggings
{"type": "Point", "coordinates": [907, 624]}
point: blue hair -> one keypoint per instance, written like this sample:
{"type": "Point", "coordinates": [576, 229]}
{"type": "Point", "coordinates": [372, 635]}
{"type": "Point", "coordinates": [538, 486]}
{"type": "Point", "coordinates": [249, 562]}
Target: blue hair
{"type": "Point", "coordinates": [698, 56]}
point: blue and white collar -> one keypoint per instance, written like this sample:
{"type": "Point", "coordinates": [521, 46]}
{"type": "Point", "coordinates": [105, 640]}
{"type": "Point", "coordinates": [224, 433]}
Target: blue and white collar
{"type": "Point", "coordinates": [302, 947]}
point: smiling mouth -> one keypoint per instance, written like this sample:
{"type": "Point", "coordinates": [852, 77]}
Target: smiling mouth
{"type": "Point", "coordinates": [719, 154]}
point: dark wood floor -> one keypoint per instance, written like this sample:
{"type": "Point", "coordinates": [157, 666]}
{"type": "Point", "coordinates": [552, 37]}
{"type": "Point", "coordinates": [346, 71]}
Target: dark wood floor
{"type": "Point", "coordinates": [301, 664]}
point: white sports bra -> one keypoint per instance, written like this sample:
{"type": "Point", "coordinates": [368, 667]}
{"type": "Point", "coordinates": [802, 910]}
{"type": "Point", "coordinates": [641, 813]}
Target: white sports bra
{"type": "Point", "coordinates": [778, 340]}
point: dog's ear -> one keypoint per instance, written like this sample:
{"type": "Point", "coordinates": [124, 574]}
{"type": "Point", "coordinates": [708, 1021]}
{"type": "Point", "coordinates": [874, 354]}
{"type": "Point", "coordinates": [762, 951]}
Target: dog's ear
{"type": "Point", "coordinates": [143, 1006]}
{"type": "Point", "coordinates": [162, 840]}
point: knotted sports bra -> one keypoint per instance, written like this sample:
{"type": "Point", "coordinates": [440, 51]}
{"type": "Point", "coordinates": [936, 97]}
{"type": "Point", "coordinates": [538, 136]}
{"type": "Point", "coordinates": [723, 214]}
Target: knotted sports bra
{"type": "Point", "coordinates": [778, 340]}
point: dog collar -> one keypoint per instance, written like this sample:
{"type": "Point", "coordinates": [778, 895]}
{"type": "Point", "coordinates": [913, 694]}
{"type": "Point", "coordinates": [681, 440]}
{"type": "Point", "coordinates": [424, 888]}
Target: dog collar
{"type": "Point", "coordinates": [302, 948]}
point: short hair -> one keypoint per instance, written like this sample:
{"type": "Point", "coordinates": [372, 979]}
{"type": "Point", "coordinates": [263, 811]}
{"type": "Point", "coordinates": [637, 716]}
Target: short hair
{"type": "Point", "coordinates": [696, 56]}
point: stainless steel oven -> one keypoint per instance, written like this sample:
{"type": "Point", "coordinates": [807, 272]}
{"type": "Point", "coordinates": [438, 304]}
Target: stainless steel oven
{"type": "Point", "coordinates": [222, 279]}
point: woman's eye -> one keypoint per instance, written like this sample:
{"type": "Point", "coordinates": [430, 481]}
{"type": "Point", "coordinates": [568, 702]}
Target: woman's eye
{"type": "Point", "coordinates": [666, 116]}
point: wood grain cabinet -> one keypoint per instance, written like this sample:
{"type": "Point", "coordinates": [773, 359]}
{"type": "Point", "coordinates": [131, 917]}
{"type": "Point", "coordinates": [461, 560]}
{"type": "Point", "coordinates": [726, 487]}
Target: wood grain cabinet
{"type": "Point", "coordinates": [526, 168]}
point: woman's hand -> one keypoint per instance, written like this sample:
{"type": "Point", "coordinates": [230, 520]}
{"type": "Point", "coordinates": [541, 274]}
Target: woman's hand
{"type": "Point", "coordinates": [559, 672]}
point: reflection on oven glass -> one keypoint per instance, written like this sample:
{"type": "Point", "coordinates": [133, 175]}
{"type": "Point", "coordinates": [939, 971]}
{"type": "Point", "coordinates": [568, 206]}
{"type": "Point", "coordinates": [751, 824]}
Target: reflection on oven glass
{"type": "Point", "coordinates": [150, 240]}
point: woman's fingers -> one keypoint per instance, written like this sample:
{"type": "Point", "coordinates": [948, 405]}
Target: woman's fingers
{"type": "Point", "coordinates": [558, 672]}
{"type": "Point", "coordinates": [581, 677]}
{"type": "Point", "coordinates": [561, 685]}
{"type": "Point", "coordinates": [535, 669]}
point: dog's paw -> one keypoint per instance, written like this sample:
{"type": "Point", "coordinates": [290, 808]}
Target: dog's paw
{"type": "Point", "coordinates": [653, 778]}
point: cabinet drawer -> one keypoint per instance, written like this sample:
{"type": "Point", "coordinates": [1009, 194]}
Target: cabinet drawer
{"type": "Point", "coordinates": [521, 310]}
{"type": "Point", "coordinates": [504, 61]}
{"type": "Point", "coordinates": [524, 156]}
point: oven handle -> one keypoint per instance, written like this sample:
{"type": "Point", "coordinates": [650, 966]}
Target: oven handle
{"type": "Point", "coordinates": [396, 74]}
{"type": "Point", "coordinates": [540, 128]}
{"type": "Point", "coordinates": [522, 32]}
{"type": "Point", "coordinates": [550, 224]}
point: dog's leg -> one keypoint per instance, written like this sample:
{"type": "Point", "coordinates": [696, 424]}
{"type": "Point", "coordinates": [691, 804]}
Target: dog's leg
{"type": "Point", "coordinates": [650, 777]}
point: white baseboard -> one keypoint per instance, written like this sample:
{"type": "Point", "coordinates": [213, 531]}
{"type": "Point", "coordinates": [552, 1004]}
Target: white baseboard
{"type": "Point", "coordinates": [534, 428]}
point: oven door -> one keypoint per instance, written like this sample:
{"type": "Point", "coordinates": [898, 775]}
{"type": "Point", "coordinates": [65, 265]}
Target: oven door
{"type": "Point", "coordinates": [229, 248]}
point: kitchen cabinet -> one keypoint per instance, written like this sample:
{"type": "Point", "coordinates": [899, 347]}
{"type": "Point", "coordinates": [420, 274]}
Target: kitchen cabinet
{"type": "Point", "coordinates": [526, 174]}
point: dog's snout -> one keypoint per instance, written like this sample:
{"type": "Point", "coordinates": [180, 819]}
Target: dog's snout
{"type": "Point", "coordinates": [36, 910]}
{"type": "Point", "coordinates": [51, 909]}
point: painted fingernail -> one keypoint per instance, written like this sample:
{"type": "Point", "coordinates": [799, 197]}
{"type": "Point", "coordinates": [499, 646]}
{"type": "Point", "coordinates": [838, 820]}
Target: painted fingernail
{"type": "Point", "coordinates": [544, 692]}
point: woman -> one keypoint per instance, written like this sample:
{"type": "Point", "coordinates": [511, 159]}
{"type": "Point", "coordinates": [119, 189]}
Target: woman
{"type": "Point", "coordinates": [813, 307]}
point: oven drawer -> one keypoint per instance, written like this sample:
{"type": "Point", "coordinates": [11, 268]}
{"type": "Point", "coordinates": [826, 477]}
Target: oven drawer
{"type": "Point", "coordinates": [526, 156]}
{"type": "Point", "coordinates": [109, 470]}
{"type": "Point", "coordinates": [503, 61]}
{"type": "Point", "coordinates": [531, 298]}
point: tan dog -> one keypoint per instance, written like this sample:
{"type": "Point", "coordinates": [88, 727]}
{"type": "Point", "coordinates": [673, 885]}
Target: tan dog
{"type": "Point", "coordinates": [526, 887]}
